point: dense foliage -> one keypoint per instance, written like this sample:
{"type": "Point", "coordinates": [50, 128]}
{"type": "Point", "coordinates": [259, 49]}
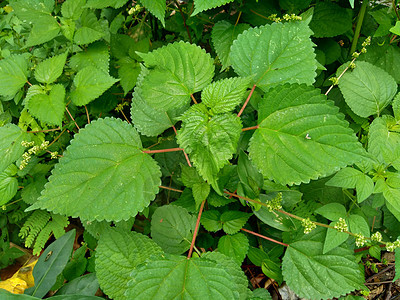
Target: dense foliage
{"type": "Point", "coordinates": [185, 139]}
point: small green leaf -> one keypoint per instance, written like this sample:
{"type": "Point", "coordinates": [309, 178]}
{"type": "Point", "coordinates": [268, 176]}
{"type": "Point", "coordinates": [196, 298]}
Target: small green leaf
{"type": "Point", "coordinates": [190, 176]}
{"type": "Point", "coordinates": [172, 228]}
{"type": "Point", "coordinates": [48, 108]}
{"type": "Point", "coordinates": [86, 285]}
{"type": "Point", "coordinates": [72, 9]}
{"type": "Point", "coordinates": [109, 177]}
{"type": "Point", "coordinates": [332, 211]}
{"type": "Point", "coordinates": [304, 265]}
{"type": "Point", "coordinates": [13, 74]}
{"type": "Point", "coordinates": [118, 253]}
{"type": "Point", "coordinates": [128, 71]}
{"type": "Point", "coordinates": [397, 264]}
{"type": "Point", "coordinates": [272, 269]}
{"type": "Point", "coordinates": [96, 55]}
{"type": "Point", "coordinates": [396, 106]}
{"type": "Point", "coordinates": [50, 69]}
{"type": "Point", "coordinates": [11, 149]}
{"type": "Point", "coordinates": [210, 219]}
{"type": "Point", "coordinates": [44, 29]}
{"type": "Point", "coordinates": [90, 83]}
{"type": "Point", "coordinates": [233, 221]}
{"type": "Point", "coordinates": [224, 95]}
{"type": "Point", "coordinates": [333, 239]}
{"type": "Point", "coordinates": [105, 3]}
{"type": "Point", "coordinates": [375, 251]}
{"type": "Point", "coordinates": [157, 8]}
{"type": "Point", "coordinates": [200, 192]}
{"type": "Point", "coordinates": [90, 31]}
{"type": "Point", "coordinates": [367, 89]}
{"type": "Point", "coordinates": [202, 5]}
{"type": "Point", "coordinates": [8, 186]}
{"type": "Point", "coordinates": [234, 246]}
{"type": "Point", "coordinates": [357, 224]}
{"type": "Point", "coordinates": [9, 296]}
{"type": "Point", "coordinates": [260, 294]}
{"type": "Point", "coordinates": [51, 263]}
{"type": "Point", "coordinates": [396, 28]}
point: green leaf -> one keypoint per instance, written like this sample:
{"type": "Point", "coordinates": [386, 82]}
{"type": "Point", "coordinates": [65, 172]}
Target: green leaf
{"type": "Point", "coordinates": [176, 71]}
{"type": "Point", "coordinates": [51, 263]}
{"type": "Point", "coordinates": [96, 55]}
{"type": "Point", "coordinates": [72, 9]}
{"type": "Point", "coordinates": [44, 29]}
{"type": "Point", "coordinates": [13, 74]}
{"type": "Point", "coordinates": [357, 224]}
{"type": "Point", "coordinates": [301, 136]}
{"type": "Point", "coordinates": [90, 31]}
{"type": "Point", "coordinates": [200, 192]}
{"type": "Point", "coordinates": [396, 106]}
{"type": "Point", "coordinates": [11, 149]}
{"type": "Point", "coordinates": [224, 95]}
{"type": "Point", "coordinates": [85, 285]}
{"type": "Point", "coordinates": [157, 8]}
{"type": "Point", "coordinates": [50, 69]}
{"type": "Point", "coordinates": [8, 185]}
{"type": "Point", "coordinates": [291, 60]}
{"type": "Point", "coordinates": [172, 228]}
{"type": "Point", "coordinates": [272, 269]}
{"type": "Point", "coordinates": [31, 10]}
{"type": "Point", "coordinates": [334, 239]}
{"type": "Point", "coordinates": [103, 175]}
{"type": "Point", "coordinates": [367, 89]}
{"type": "Point", "coordinates": [176, 277]}
{"type": "Point", "coordinates": [222, 36]}
{"type": "Point", "coordinates": [190, 176]}
{"type": "Point", "coordinates": [332, 211]}
{"type": "Point", "coordinates": [260, 294]}
{"type": "Point", "coordinates": [128, 71]}
{"type": "Point", "coordinates": [352, 178]}
{"type": "Point", "coordinates": [233, 221]}
{"type": "Point", "coordinates": [77, 265]}
{"type": "Point", "coordinates": [314, 275]}
{"type": "Point", "coordinates": [9, 296]}
{"type": "Point", "coordinates": [329, 19]}
{"type": "Point", "coordinates": [250, 178]}
{"type": "Point", "coordinates": [210, 219]}
{"type": "Point", "coordinates": [234, 246]}
{"type": "Point", "coordinates": [90, 83]}
{"type": "Point", "coordinates": [105, 3]}
{"type": "Point", "coordinates": [210, 141]}
{"type": "Point", "coordinates": [202, 5]}
{"type": "Point", "coordinates": [48, 108]}
{"type": "Point", "coordinates": [118, 253]}
{"type": "Point", "coordinates": [396, 28]}
{"type": "Point", "coordinates": [397, 264]}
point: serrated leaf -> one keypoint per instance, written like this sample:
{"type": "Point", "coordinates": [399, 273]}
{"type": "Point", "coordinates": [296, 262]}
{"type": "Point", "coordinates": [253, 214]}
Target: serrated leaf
{"type": "Point", "coordinates": [72, 9]}
{"type": "Point", "coordinates": [330, 19]}
{"type": "Point", "coordinates": [210, 219]}
{"type": "Point", "coordinates": [128, 71]}
{"type": "Point", "coordinates": [222, 36]}
{"type": "Point", "coordinates": [90, 83]}
{"type": "Point", "coordinates": [48, 108]}
{"type": "Point", "coordinates": [44, 29]}
{"type": "Point", "coordinates": [8, 187]}
{"type": "Point", "coordinates": [304, 265]}
{"type": "Point", "coordinates": [210, 141]}
{"type": "Point", "coordinates": [50, 69]}
{"type": "Point", "coordinates": [357, 224]}
{"type": "Point", "coordinates": [200, 192]}
{"type": "Point", "coordinates": [334, 239]}
{"type": "Point", "coordinates": [118, 253]}
{"type": "Point", "coordinates": [301, 136]}
{"type": "Point", "coordinates": [396, 106]}
{"type": "Point", "coordinates": [96, 55]}
{"type": "Point", "coordinates": [31, 10]}
{"type": "Point", "coordinates": [157, 8]}
{"type": "Point", "coordinates": [190, 176]}
{"type": "Point", "coordinates": [291, 60]}
{"type": "Point", "coordinates": [90, 31]}
{"type": "Point", "coordinates": [260, 294]}
{"type": "Point", "coordinates": [105, 3]}
{"type": "Point", "coordinates": [367, 89]}
{"type": "Point", "coordinates": [176, 71]}
{"type": "Point", "coordinates": [224, 95]}
{"type": "Point", "coordinates": [217, 201]}
{"type": "Point", "coordinates": [11, 149]}
{"type": "Point", "coordinates": [352, 178]}
{"type": "Point", "coordinates": [172, 228]}
{"type": "Point", "coordinates": [233, 221]}
{"type": "Point", "coordinates": [13, 74]}
{"type": "Point", "coordinates": [202, 5]}
{"type": "Point", "coordinates": [234, 246]}
{"type": "Point", "coordinates": [332, 211]}
{"type": "Point", "coordinates": [103, 175]}
{"type": "Point", "coordinates": [175, 277]}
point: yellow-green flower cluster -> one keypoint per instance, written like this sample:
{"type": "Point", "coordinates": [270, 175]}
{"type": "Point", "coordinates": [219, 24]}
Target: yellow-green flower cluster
{"type": "Point", "coordinates": [392, 246]}
{"type": "Point", "coordinates": [26, 157]}
{"type": "Point", "coordinates": [308, 225]}
{"type": "Point", "coordinates": [360, 240]}
{"type": "Point", "coordinates": [341, 225]}
{"type": "Point", "coordinates": [275, 204]}
{"type": "Point", "coordinates": [286, 17]}
{"type": "Point", "coordinates": [377, 237]}
{"type": "Point", "coordinates": [364, 45]}
{"type": "Point", "coordinates": [334, 80]}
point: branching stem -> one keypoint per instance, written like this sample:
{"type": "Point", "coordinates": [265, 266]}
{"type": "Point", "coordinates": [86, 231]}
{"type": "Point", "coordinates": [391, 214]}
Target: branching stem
{"type": "Point", "coordinates": [250, 128]}
{"type": "Point", "coordinates": [340, 76]}
{"type": "Point", "coordinates": [265, 237]}
{"type": "Point", "coordinates": [247, 101]}
{"type": "Point", "coordinates": [194, 99]}
{"type": "Point", "coordinates": [163, 150]}
{"type": "Point", "coordinates": [66, 108]}
{"type": "Point", "coordinates": [196, 229]}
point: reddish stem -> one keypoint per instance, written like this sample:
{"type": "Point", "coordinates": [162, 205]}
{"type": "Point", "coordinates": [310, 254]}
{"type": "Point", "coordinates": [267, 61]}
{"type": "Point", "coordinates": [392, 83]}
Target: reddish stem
{"type": "Point", "coordinates": [250, 128]}
{"type": "Point", "coordinates": [184, 21]}
{"type": "Point", "coordinates": [169, 188]}
{"type": "Point", "coordinates": [72, 118]}
{"type": "Point", "coordinates": [163, 150]}
{"type": "Point", "coordinates": [247, 101]}
{"type": "Point", "coordinates": [196, 229]}
{"type": "Point", "coordinates": [187, 158]}
{"type": "Point", "coordinates": [265, 237]}
{"type": "Point", "coordinates": [87, 115]}
{"type": "Point", "coordinates": [194, 99]}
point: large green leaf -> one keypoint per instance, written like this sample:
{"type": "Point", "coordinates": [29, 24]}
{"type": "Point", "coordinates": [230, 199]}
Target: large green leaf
{"type": "Point", "coordinates": [222, 36]}
{"type": "Point", "coordinates": [176, 71]}
{"type": "Point", "coordinates": [11, 149]}
{"type": "Point", "coordinates": [235, 246]}
{"type": "Point", "coordinates": [314, 275]}
{"type": "Point", "coordinates": [103, 175]}
{"type": "Point", "coordinates": [202, 5]}
{"type": "Point", "coordinates": [84, 285]}
{"type": "Point", "coordinates": [48, 108]}
{"type": "Point", "coordinates": [13, 74]}
{"type": "Point", "coordinates": [210, 141]}
{"type": "Point", "coordinates": [8, 184]}
{"type": "Point", "coordinates": [72, 9]}
{"type": "Point", "coordinates": [176, 277]}
{"type": "Point", "coordinates": [301, 136]}
{"type": "Point", "coordinates": [224, 95]}
{"type": "Point", "coordinates": [156, 7]}
{"type": "Point", "coordinates": [90, 83]}
{"type": "Point", "coordinates": [50, 69]}
{"type": "Point", "coordinates": [275, 54]}
{"type": "Point", "coordinates": [44, 29]}
{"type": "Point", "coordinates": [32, 10]}
{"type": "Point", "coordinates": [367, 89]}
{"type": "Point", "coordinates": [118, 253]}
{"type": "Point", "coordinates": [330, 19]}
{"type": "Point", "coordinates": [172, 228]}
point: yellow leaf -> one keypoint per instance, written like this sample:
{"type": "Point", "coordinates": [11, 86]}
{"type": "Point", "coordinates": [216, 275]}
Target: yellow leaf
{"type": "Point", "coordinates": [21, 280]}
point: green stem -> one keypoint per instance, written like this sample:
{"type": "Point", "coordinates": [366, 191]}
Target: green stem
{"type": "Point", "coordinates": [360, 20]}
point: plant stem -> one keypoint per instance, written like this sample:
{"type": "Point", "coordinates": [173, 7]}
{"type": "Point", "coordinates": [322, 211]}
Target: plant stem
{"type": "Point", "coordinates": [360, 20]}
{"type": "Point", "coordinates": [47, 130]}
{"type": "Point", "coordinates": [162, 150]}
{"type": "Point", "coordinates": [250, 128]}
{"type": "Point", "coordinates": [395, 9]}
{"type": "Point", "coordinates": [340, 76]}
{"type": "Point", "coordinates": [196, 229]}
{"type": "Point", "coordinates": [184, 22]}
{"type": "Point", "coordinates": [72, 118]}
{"type": "Point", "coordinates": [87, 115]}
{"type": "Point", "coordinates": [193, 98]}
{"type": "Point", "coordinates": [247, 101]}
{"type": "Point", "coordinates": [264, 237]}
{"type": "Point", "coordinates": [169, 188]}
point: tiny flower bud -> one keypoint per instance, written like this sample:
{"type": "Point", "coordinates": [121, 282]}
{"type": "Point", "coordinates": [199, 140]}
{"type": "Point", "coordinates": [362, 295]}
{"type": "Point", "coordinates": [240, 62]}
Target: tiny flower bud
{"type": "Point", "coordinates": [341, 225]}
{"type": "Point", "coordinates": [308, 225]}
{"type": "Point", "coordinates": [377, 236]}
{"type": "Point", "coordinates": [360, 240]}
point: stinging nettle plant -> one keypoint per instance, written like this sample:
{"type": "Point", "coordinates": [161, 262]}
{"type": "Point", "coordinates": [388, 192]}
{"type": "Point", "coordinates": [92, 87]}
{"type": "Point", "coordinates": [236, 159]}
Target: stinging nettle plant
{"type": "Point", "coordinates": [242, 145]}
